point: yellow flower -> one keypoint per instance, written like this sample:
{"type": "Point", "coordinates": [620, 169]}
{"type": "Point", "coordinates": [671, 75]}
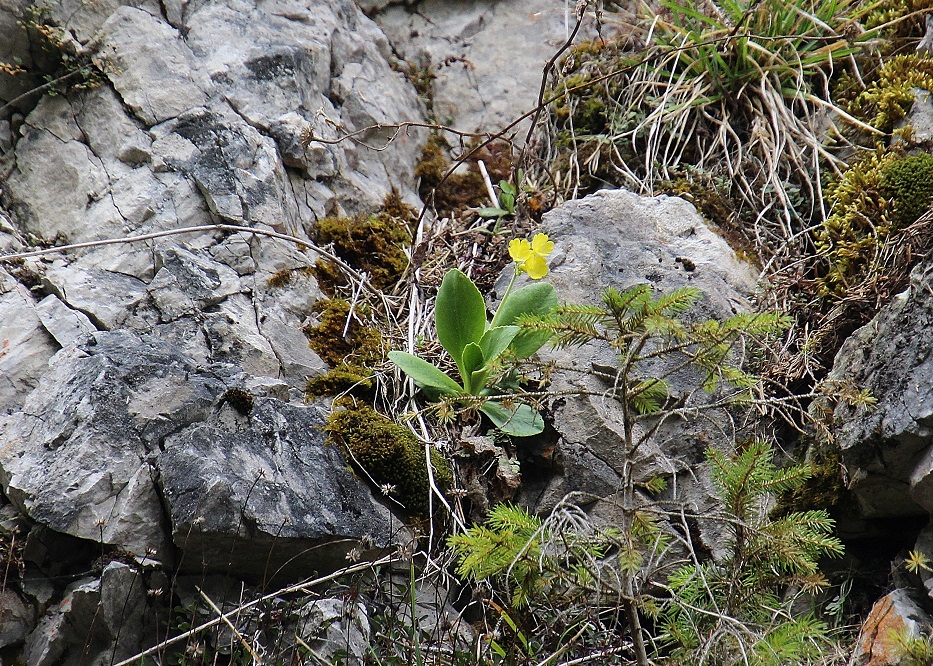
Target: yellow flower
{"type": "Point", "coordinates": [532, 257]}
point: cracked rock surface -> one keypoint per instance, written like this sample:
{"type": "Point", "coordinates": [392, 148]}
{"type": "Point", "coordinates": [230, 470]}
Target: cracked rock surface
{"type": "Point", "coordinates": [118, 432]}
{"type": "Point", "coordinates": [483, 82]}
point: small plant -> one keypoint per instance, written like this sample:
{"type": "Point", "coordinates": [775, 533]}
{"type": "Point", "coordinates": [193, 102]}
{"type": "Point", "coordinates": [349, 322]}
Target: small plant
{"type": "Point", "coordinates": [507, 194]}
{"type": "Point", "coordinates": [479, 347]}
{"type": "Point", "coordinates": [766, 556]}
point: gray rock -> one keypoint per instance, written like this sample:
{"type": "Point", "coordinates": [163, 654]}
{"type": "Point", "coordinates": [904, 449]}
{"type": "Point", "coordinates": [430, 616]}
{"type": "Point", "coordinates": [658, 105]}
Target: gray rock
{"type": "Point", "coordinates": [66, 325]}
{"type": "Point", "coordinates": [186, 283]}
{"type": "Point", "coordinates": [886, 448]}
{"type": "Point", "coordinates": [260, 494]}
{"type": "Point", "coordinates": [77, 457]}
{"type": "Point", "coordinates": [98, 622]}
{"type": "Point", "coordinates": [25, 344]}
{"type": "Point", "coordinates": [110, 300]}
{"type": "Point", "coordinates": [123, 426]}
{"type": "Point", "coordinates": [485, 79]}
{"type": "Point", "coordinates": [617, 238]}
{"type": "Point", "coordinates": [894, 615]}
{"type": "Point", "coordinates": [150, 65]}
{"type": "Point", "coordinates": [236, 168]}
{"type": "Point", "coordinates": [332, 626]}
{"type": "Point", "coordinates": [920, 118]}
{"type": "Point", "coordinates": [58, 182]}
{"type": "Point", "coordinates": [16, 618]}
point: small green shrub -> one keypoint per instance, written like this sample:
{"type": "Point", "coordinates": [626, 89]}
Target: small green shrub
{"type": "Point", "coordinates": [744, 590]}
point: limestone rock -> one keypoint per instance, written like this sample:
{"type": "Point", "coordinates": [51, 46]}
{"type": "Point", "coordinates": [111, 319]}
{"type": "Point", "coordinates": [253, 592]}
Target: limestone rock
{"type": "Point", "coordinates": [258, 493]}
{"type": "Point", "coordinates": [16, 618]}
{"type": "Point", "coordinates": [66, 325]}
{"type": "Point", "coordinates": [25, 345]}
{"type": "Point", "coordinates": [617, 238]}
{"type": "Point", "coordinates": [108, 617]}
{"type": "Point", "coordinates": [483, 82]}
{"type": "Point", "coordinates": [336, 625]}
{"type": "Point", "coordinates": [886, 448]}
{"type": "Point", "coordinates": [124, 428]}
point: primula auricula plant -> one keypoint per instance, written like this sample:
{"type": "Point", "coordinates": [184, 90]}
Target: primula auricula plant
{"type": "Point", "coordinates": [479, 346]}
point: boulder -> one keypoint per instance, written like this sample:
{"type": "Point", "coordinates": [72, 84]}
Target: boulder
{"type": "Point", "coordinates": [616, 238]}
{"type": "Point", "coordinates": [886, 446]}
{"type": "Point", "coordinates": [99, 621]}
{"type": "Point", "coordinates": [893, 618]}
{"type": "Point", "coordinates": [130, 443]}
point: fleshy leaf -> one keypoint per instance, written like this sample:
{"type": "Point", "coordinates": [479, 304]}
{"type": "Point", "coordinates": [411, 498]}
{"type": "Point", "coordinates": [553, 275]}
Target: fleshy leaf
{"type": "Point", "coordinates": [424, 373]}
{"type": "Point", "coordinates": [460, 314]}
{"type": "Point", "coordinates": [496, 340]}
{"type": "Point", "coordinates": [537, 299]}
{"type": "Point", "coordinates": [520, 421]}
{"type": "Point", "coordinates": [473, 360]}
{"type": "Point", "coordinates": [492, 212]}
{"type": "Point", "coordinates": [478, 379]}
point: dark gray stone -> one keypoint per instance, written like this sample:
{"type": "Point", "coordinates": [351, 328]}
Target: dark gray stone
{"type": "Point", "coordinates": [886, 447]}
{"type": "Point", "coordinates": [130, 443]}
{"type": "Point", "coordinates": [260, 493]}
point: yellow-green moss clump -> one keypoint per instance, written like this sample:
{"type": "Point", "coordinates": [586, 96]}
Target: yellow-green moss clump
{"type": "Point", "coordinates": [373, 244]}
{"type": "Point", "coordinates": [876, 197]}
{"type": "Point", "coordinates": [889, 92]}
{"type": "Point", "coordinates": [909, 184]}
{"type": "Point", "coordinates": [350, 356]}
{"type": "Point", "coordinates": [390, 454]}
{"type": "Point", "coordinates": [899, 21]}
{"type": "Point", "coordinates": [463, 189]}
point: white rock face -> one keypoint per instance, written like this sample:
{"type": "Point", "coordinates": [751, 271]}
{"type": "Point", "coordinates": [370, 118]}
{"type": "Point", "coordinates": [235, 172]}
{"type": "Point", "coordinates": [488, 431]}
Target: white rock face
{"type": "Point", "coordinates": [115, 360]}
{"type": "Point", "coordinates": [488, 55]}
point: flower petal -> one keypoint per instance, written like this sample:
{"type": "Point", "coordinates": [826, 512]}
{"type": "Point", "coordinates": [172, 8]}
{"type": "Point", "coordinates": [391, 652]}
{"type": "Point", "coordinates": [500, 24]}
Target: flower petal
{"type": "Point", "coordinates": [519, 249]}
{"type": "Point", "coordinates": [542, 245]}
{"type": "Point", "coordinates": [536, 267]}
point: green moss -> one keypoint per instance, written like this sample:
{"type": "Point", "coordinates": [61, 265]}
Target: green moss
{"type": "Point", "coordinates": [861, 219]}
{"type": "Point", "coordinates": [369, 243]}
{"type": "Point", "coordinates": [876, 197]}
{"type": "Point", "coordinates": [345, 378]}
{"type": "Point", "coordinates": [909, 184]}
{"type": "Point", "coordinates": [899, 20]}
{"type": "Point", "coordinates": [889, 92]}
{"type": "Point", "coordinates": [350, 356]}
{"type": "Point", "coordinates": [389, 453]}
